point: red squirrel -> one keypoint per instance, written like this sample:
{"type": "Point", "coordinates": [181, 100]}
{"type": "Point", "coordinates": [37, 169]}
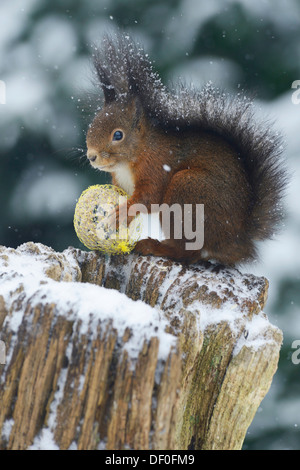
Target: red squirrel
{"type": "Point", "coordinates": [186, 147]}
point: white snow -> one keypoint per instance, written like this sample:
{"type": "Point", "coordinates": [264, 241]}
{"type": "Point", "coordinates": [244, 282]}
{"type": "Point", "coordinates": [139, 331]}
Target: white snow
{"type": "Point", "coordinates": [44, 441]}
{"type": "Point", "coordinates": [92, 303]}
{"type": "Point", "coordinates": [166, 167]}
{"type": "Point", "coordinates": [7, 427]}
{"type": "Point", "coordinates": [88, 303]}
{"type": "Point", "coordinates": [254, 337]}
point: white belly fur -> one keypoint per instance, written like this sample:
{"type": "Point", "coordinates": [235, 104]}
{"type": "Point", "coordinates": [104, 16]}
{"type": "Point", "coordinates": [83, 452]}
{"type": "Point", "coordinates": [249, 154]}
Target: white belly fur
{"type": "Point", "coordinates": [124, 178]}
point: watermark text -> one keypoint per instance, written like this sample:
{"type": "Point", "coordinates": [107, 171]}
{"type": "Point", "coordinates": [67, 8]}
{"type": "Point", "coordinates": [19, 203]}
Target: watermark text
{"type": "Point", "coordinates": [2, 92]}
{"type": "Point", "coordinates": [296, 354]}
{"type": "Point", "coordinates": [296, 94]}
{"type": "Point", "coordinates": [2, 352]}
{"type": "Point", "coordinates": [177, 222]}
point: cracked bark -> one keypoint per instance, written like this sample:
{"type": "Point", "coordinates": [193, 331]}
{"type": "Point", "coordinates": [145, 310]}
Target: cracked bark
{"type": "Point", "coordinates": [87, 390]}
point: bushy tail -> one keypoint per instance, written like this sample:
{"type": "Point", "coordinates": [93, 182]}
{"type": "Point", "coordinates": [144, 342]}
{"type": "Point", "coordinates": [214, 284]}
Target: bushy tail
{"type": "Point", "coordinates": [259, 147]}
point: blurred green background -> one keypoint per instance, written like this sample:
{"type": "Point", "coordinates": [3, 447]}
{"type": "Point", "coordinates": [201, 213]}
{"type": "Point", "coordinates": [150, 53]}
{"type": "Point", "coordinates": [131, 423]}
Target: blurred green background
{"type": "Point", "coordinates": [45, 64]}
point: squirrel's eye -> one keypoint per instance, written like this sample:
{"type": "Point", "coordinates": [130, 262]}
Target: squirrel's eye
{"type": "Point", "coordinates": [118, 135]}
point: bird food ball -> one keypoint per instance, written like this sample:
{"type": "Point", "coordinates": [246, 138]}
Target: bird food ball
{"type": "Point", "coordinates": [93, 226]}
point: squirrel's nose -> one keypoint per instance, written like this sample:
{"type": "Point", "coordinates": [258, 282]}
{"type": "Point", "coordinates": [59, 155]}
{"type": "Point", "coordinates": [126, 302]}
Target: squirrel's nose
{"type": "Point", "coordinates": [91, 154]}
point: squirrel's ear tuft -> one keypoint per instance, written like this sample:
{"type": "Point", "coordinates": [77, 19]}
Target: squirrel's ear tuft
{"type": "Point", "coordinates": [125, 72]}
{"type": "Point", "coordinates": [102, 72]}
{"type": "Point", "coordinates": [111, 65]}
{"type": "Point", "coordinates": [108, 89]}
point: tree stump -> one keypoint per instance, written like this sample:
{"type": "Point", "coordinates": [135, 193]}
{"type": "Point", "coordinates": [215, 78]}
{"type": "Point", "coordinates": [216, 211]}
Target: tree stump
{"type": "Point", "coordinates": [129, 352]}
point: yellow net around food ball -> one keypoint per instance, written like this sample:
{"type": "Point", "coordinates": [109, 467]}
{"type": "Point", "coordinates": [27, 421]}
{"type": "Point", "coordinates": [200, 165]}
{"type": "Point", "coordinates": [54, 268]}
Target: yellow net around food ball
{"type": "Point", "coordinates": [93, 226]}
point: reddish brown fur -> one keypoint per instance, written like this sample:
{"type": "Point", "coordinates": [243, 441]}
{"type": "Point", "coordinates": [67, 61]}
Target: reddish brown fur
{"type": "Point", "coordinates": [204, 170]}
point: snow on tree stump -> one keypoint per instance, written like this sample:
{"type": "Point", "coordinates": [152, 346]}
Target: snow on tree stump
{"type": "Point", "coordinates": [129, 352]}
